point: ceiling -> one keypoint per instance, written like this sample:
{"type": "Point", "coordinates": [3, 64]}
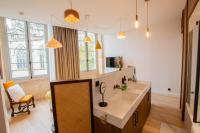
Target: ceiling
{"type": "Point", "coordinates": [105, 15]}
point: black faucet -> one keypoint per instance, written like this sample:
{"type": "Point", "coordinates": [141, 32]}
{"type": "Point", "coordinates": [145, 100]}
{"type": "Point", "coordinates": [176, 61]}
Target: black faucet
{"type": "Point", "coordinates": [124, 80]}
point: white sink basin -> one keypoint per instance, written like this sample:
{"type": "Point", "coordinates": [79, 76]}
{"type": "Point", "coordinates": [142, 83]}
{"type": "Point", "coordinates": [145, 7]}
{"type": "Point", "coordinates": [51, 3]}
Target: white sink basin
{"type": "Point", "coordinates": [124, 97]}
{"type": "Point", "coordinates": [122, 104]}
{"type": "Point", "coordinates": [138, 86]}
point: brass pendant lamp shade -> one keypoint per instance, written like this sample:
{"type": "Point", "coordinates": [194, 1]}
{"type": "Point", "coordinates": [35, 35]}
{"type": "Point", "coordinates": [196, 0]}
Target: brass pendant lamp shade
{"type": "Point", "coordinates": [87, 39]}
{"type": "Point", "coordinates": [98, 45]}
{"type": "Point", "coordinates": [71, 16]}
{"type": "Point", "coordinates": [121, 35]}
{"type": "Point", "coordinates": [53, 43]}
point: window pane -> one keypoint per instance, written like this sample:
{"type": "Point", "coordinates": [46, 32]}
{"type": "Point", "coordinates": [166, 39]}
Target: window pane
{"type": "Point", "coordinates": [17, 48]}
{"type": "Point", "coordinates": [40, 68]}
{"type": "Point", "coordinates": [91, 52]}
{"type": "Point", "coordinates": [81, 35]}
{"type": "Point", "coordinates": [39, 56]}
{"type": "Point", "coordinates": [83, 65]}
{"type": "Point", "coordinates": [82, 56]}
{"type": "Point", "coordinates": [91, 47]}
{"type": "Point", "coordinates": [82, 51]}
{"type": "Point", "coordinates": [92, 60]}
{"type": "Point", "coordinates": [87, 52]}
{"type": "Point", "coordinates": [38, 49]}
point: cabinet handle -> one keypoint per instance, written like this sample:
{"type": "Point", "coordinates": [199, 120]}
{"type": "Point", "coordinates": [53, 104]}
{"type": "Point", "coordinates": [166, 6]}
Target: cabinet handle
{"type": "Point", "coordinates": [149, 93]}
{"type": "Point", "coordinates": [134, 120]}
{"type": "Point", "coordinates": [137, 115]}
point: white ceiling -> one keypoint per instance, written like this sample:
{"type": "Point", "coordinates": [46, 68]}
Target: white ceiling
{"type": "Point", "coordinates": [105, 15]}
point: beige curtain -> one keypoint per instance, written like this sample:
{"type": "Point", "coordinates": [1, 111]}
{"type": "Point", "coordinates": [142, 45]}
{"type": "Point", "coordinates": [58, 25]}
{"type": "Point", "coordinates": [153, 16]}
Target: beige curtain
{"type": "Point", "coordinates": [67, 57]}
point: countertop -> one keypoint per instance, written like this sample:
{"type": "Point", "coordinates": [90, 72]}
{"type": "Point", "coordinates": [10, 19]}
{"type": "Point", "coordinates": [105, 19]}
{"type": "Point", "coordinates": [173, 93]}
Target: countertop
{"type": "Point", "coordinates": [122, 105]}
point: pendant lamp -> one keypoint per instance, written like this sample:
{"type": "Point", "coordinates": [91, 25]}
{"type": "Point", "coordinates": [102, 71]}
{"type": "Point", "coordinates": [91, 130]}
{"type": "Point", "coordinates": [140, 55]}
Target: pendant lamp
{"type": "Point", "coordinates": [136, 16]}
{"type": "Point", "coordinates": [121, 34]}
{"type": "Point", "coordinates": [53, 43]}
{"type": "Point", "coordinates": [71, 15]}
{"type": "Point", "coordinates": [147, 29]}
{"type": "Point", "coordinates": [87, 39]}
{"type": "Point", "coordinates": [98, 45]}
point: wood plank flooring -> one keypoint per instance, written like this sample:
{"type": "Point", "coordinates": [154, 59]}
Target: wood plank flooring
{"type": "Point", "coordinates": [39, 121]}
{"type": "Point", "coordinates": [164, 110]}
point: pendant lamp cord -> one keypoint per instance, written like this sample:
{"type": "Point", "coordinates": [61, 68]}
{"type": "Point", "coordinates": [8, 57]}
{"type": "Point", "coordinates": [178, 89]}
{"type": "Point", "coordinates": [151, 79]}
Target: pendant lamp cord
{"type": "Point", "coordinates": [70, 1]}
{"type": "Point", "coordinates": [120, 24]}
{"type": "Point", "coordinates": [51, 19]}
{"type": "Point", "coordinates": [87, 21]}
{"type": "Point", "coordinates": [136, 9]}
{"type": "Point", "coordinates": [147, 14]}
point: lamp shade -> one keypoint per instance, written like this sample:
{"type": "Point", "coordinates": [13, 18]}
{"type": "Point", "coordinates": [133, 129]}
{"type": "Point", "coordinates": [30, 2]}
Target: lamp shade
{"type": "Point", "coordinates": [53, 43]}
{"type": "Point", "coordinates": [121, 35]}
{"type": "Point", "coordinates": [98, 45]}
{"type": "Point", "coordinates": [87, 39]}
{"type": "Point", "coordinates": [71, 16]}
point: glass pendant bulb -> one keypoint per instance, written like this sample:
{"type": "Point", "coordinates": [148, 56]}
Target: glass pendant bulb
{"type": "Point", "coordinates": [136, 22]}
{"type": "Point", "coordinates": [147, 33]}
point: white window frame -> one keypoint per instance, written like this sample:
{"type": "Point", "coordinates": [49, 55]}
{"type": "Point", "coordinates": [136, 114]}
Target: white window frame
{"type": "Point", "coordinates": [28, 49]}
{"type": "Point", "coordinates": [87, 59]}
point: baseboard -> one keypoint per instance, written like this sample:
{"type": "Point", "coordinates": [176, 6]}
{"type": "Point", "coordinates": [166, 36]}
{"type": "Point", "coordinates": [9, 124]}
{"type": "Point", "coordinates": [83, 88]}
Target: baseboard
{"type": "Point", "coordinates": [166, 94]}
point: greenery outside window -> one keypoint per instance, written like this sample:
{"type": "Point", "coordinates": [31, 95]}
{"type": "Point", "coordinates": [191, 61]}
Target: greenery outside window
{"type": "Point", "coordinates": [87, 51]}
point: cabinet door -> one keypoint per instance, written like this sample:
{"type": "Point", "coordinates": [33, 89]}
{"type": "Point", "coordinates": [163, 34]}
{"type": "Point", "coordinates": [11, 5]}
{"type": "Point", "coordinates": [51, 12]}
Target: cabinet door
{"type": "Point", "coordinates": [104, 127]}
{"type": "Point", "coordinates": [149, 101]}
{"type": "Point", "coordinates": [142, 112]}
{"type": "Point", "coordinates": [141, 116]}
{"type": "Point", "coordinates": [131, 125]}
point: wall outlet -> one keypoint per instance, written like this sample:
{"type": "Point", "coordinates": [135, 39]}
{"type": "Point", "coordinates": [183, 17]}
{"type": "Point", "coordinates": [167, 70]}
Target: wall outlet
{"type": "Point", "coordinates": [169, 89]}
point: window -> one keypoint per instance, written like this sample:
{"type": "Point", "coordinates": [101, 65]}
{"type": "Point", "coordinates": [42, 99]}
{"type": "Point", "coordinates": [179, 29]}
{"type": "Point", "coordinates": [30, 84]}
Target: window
{"type": "Point", "coordinates": [87, 52]}
{"type": "Point", "coordinates": [27, 52]}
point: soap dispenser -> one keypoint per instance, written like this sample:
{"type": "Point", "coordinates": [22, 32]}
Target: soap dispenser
{"type": "Point", "coordinates": [124, 80]}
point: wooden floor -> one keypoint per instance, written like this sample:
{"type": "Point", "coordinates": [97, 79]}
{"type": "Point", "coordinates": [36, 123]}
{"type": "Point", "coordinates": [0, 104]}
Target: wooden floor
{"type": "Point", "coordinates": [39, 121]}
{"type": "Point", "coordinates": [165, 110]}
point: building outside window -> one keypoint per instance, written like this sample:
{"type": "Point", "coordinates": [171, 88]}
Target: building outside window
{"type": "Point", "coordinates": [26, 47]}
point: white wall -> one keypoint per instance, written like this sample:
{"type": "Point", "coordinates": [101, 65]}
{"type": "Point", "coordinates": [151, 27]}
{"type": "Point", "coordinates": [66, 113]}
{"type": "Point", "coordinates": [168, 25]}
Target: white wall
{"type": "Point", "coordinates": [157, 59]}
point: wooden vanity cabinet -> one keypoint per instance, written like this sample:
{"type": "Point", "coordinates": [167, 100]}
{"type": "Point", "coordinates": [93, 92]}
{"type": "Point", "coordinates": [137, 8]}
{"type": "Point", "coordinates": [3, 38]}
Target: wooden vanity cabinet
{"type": "Point", "coordinates": [143, 111]}
{"type": "Point", "coordinates": [134, 124]}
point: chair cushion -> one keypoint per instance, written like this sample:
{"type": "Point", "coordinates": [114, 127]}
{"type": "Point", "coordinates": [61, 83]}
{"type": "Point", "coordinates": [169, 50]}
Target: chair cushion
{"type": "Point", "coordinates": [16, 93]}
{"type": "Point", "coordinates": [8, 84]}
{"type": "Point", "coordinates": [26, 98]}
